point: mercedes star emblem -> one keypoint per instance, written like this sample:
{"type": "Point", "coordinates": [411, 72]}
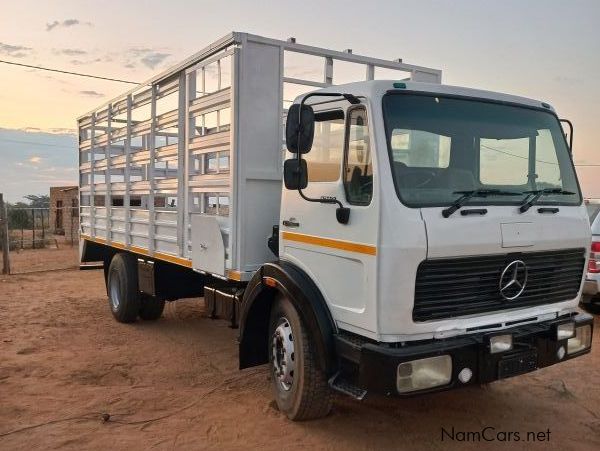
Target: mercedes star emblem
{"type": "Point", "coordinates": [513, 280]}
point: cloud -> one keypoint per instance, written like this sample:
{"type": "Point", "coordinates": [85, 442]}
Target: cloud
{"type": "Point", "coordinates": [151, 58]}
{"type": "Point", "coordinates": [52, 130]}
{"type": "Point", "coordinates": [35, 160]}
{"type": "Point", "coordinates": [15, 51]}
{"type": "Point", "coordinates": [91, 93]}
{"type": "Point", "coordinates": [66, 24]}
{"type": "Point", "coordinates": [77, 62]}
{"type": "Point", "coordinates": [70, 52]}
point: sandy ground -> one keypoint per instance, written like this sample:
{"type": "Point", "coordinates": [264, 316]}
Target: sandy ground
{"type": "Point", "coordinates": [174, 384]}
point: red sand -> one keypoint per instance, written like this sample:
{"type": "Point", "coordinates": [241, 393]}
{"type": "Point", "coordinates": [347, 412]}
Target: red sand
{"type": "Point", "coordinates": [174, 384]}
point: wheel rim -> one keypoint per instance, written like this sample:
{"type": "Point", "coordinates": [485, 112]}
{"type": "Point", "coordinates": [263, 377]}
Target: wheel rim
{"type": "Point", "coordinates": [115, 299]}
{"type": "Point", "coordinates": [283, 354]}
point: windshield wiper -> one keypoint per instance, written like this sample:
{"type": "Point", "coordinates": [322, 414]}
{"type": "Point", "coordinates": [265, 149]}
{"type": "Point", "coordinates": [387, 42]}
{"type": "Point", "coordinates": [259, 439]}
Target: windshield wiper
{"type": "Point", "coordinates": [536, 194]}
{"type": "Point", "coordinates": [466, 195]}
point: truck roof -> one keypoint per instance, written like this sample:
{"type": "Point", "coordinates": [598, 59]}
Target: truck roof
{"type": "Point", "coordinates": [377, 88]}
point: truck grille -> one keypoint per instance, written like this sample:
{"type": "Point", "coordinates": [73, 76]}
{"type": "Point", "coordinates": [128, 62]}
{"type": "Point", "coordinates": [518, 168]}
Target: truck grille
{"type": "Point", "coordinates": [451, 287]}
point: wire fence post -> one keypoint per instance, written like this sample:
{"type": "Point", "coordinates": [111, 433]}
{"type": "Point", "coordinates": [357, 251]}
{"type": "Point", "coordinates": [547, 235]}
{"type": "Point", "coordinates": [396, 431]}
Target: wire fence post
{"type": "Point", "coordinates": [43, 230]}
{"type": "Point", "coordinates": [32, 228]}
{"type": "Point", "coordinates": [4, 238]}
{"type": "Point", "coordinates": [71, 229]}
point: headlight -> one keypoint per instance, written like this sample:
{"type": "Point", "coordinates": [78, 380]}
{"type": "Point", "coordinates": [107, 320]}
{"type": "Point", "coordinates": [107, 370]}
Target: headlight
{"type": "Point", "coordinates": [582, 339]}
{"type": "Point", "coordinates": [500, 343]}
{"type": "Point", "coordinates": [424, 373]}
{"type": "Point", "coordinates": [565, 330]}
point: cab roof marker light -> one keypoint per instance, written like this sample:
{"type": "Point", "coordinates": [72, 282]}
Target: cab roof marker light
{"type": "Point", "coordinates": [400, 85]}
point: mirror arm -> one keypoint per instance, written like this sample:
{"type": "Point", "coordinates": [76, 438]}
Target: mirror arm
{"type": "Point", "coordinates": [342, 213]}
{"type": "Point", "coordinates": [570, 124]}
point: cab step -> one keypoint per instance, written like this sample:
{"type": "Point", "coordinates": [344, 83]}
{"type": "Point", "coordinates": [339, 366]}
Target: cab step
{"type": "Point", "coordinates": [338, 383]}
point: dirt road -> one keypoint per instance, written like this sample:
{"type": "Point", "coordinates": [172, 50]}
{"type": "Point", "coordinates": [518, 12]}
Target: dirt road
{"type": "Point", "coordinates": [174, 384]}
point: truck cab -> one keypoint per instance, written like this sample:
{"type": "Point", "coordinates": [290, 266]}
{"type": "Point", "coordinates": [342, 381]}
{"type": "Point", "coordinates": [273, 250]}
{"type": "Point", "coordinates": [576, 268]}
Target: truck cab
{"type": "Point", "coordinates": [460, 253]}
{"type": "Point", "coordinates": [398, 160]}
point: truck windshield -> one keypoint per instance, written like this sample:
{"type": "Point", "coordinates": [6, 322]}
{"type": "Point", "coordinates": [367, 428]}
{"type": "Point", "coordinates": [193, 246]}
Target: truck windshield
{"type": "Point", "coordinates": [439, 146]}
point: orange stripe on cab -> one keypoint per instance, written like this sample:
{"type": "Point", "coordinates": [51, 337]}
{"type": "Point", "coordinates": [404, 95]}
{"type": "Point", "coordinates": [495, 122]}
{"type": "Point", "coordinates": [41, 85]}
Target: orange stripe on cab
{"type": "Point", "coordinates": [331, 243]}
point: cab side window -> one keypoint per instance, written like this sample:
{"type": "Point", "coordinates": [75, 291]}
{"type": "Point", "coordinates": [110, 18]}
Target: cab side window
{"type": "Point", "coordinates": [358, 167]}
{"type": "Point", "coordinates": [324, 160]}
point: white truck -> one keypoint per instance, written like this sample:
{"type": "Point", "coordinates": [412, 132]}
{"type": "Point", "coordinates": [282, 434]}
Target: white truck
{"type": "Point", "coordinates": [413, 237]}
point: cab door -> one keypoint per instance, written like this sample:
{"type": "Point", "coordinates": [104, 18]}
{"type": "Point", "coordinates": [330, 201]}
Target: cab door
{"type": "Point", "coordinates": [340, 258]}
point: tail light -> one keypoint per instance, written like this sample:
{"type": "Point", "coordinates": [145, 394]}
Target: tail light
{"type": "Point", "coordinates": [594, 263]}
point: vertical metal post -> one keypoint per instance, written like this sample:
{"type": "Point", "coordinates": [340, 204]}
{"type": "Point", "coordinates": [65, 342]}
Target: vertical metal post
{"type": "Point", "coordinates": [79, 181]}
{"type": "Point", "coordinates": [72, 216]}
{"type": "Point", "coordinates": [328, 70]}
{"type": "Point", "coordinates": [127, 174]}
{"type": "Point", "coordinates": [43, 229]}
{"type": "Point", "coordinates": [33, 228]}
{"type": "Point", "coordinates": [4, 237]}
{"type": "Point", "coordinates": [151, 165]}
{"type": "Point", "coordinates": [107, 175]}
{"type": "Point", "coordinates": [92, 178]}
{"type": "Point", "coordinates": [190, 130]}
{"type": "Point", "coordinates": [370, 72]}
{"type": "Point", "coordinates": [182, 163]}
{"type": "Point", "coordinates": [238, 60]}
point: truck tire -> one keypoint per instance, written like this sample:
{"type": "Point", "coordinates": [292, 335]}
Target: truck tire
{"type": "Point", "coordinates": [123, 294]}
{"type": "Point", "coordinates": [299, 384]}
{"type": "Point", "coordinates": [592, 304]}
{"type": "Point", "coordinates": [151, 308]}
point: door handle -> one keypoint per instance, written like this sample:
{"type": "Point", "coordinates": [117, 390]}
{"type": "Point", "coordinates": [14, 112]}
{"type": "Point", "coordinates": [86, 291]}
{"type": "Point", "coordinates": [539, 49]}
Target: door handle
{"type": "Point", "coordinates": [291, 222]}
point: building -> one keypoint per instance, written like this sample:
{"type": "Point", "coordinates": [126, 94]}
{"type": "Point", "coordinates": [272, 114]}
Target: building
{"type": "Point", "coordinates": [64, 210]}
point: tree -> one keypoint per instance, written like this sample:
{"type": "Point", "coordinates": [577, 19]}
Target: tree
{"type": "Point", "coordinates": [38, 200]}
{"type": "Point", "coordinates": [18, 216]}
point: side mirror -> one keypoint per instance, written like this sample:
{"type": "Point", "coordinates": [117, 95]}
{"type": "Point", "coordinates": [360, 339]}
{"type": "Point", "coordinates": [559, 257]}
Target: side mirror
{"type": "Point", "coordinates": [300, 128]}
{"type": "Point", "coordinates": [295, 174]}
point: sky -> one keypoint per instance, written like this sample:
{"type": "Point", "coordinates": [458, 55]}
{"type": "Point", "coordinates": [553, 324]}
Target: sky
{"type": "Point", "coordinates": [543, 49]}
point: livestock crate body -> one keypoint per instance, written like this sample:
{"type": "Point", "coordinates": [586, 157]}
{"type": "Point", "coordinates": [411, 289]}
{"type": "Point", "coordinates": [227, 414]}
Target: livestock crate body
{"type": "Point", "coordinates": [186, 168]}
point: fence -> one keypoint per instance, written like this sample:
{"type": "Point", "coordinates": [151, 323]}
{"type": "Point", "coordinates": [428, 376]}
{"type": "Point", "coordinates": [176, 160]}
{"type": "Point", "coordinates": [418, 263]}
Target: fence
{"type": "Point", "coordinates": [28, 233]}
{"type": "Point", "coordinates": [37, 228]}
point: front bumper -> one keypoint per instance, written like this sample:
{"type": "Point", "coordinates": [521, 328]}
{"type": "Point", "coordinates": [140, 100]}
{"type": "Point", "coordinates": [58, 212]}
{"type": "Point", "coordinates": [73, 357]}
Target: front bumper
{"type": "Point", "coordinates": [373, 367]}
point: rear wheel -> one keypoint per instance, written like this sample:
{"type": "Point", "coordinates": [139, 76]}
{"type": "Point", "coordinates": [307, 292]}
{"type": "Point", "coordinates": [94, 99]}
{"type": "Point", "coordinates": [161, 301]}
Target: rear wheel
{"type": "Point", "coordinates": [151, 307]}
{"type": "Point", "coordinates": [123, 294]}
{"type": "Point", "coordinates": [298, 383]}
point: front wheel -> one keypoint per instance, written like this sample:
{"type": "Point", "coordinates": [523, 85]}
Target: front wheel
{"type": "Point", "coordinates": [298, 383]}
{"type": "Point", "coordinates": [592, 304]}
